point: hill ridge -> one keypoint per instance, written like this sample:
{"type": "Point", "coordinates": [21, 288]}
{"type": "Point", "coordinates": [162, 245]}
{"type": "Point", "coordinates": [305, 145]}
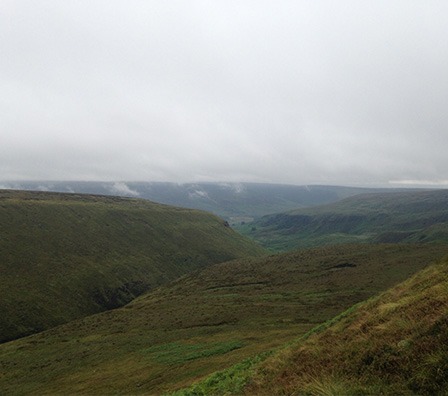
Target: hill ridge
{"type": "Point", "coordinates": [235, 202]}
{"type": "Point", "coordinates": [393, 217]}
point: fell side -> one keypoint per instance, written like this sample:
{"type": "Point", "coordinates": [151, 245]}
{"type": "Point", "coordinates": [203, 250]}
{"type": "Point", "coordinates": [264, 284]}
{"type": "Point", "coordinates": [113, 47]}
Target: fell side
{"type": "Point", "coordinates": [393, 344]}
{"type": "Point", "coordinates": [64, 256]}
{"type": "Point", "coordinates": [205, 321]}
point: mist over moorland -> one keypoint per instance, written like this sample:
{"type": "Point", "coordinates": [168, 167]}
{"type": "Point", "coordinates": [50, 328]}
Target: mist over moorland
{"type": "Point", "coordinates": [223, 198]}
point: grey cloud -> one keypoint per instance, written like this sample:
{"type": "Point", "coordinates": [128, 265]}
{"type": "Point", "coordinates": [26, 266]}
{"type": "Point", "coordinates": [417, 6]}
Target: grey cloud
{"type": "Point", "coordinates": [343, 92]}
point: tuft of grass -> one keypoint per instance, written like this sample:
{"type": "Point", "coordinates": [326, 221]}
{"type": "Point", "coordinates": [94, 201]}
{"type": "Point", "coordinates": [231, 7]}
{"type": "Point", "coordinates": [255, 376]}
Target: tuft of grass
{"type": "Point", "coordinates": [328, 386]}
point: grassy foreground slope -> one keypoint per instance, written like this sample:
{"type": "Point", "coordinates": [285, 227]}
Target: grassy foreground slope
{"type": "Point", "coordinates": [63, 256]}
{"type": "Point", "coordinates": [396, 343]}
{"type": "Point", "coordinates": [204, 322]}
{"type": "Point", "coordinates": [392, 217]}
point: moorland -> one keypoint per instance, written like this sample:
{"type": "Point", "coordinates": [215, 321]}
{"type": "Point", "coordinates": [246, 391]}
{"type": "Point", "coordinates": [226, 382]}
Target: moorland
{"type": "Point", "coordinates": [108, 295]}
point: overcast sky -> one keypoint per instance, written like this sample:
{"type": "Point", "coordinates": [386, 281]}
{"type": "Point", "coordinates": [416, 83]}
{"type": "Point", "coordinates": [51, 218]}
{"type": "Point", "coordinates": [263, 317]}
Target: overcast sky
{"type": "Point", "coordinates": [301, 92]}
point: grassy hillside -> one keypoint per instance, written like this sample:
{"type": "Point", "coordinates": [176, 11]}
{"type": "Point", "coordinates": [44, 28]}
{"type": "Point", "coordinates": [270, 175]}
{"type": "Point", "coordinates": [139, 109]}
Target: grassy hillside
{"type": "Point", "coordinates": [381, 217]}
{"type": "Point", "coordinates": [205, 321]}
{"type": "Point", "coordinates": [396, 343]}
{"type": "Point", "coordinates": [63, 256]}
{"type": "Point", "coordinates": [235, 202]}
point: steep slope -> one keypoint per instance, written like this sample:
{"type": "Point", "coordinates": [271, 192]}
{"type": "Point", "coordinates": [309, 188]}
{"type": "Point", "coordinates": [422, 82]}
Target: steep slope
{"type": "Point", "coordinates": [396, 343]}
{"type": "Point", "coordinates": [205, 321]}
{"type": "Point", "coordinates": [63, 256]}
{"type": "Point", "coordinates": [235, 202]}
{"type": "Point", "coordinates": [382, 217]}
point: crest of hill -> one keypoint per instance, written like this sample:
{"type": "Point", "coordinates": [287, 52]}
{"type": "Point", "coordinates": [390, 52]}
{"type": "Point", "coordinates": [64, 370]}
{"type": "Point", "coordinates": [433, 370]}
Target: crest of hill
{"type": "Point", "coordinates": [205, 321]}
{"type": "Point", "coordinates": [235, 202]}
{"type": "Point", "coordinates": [396, 343]}
{"type": "Point", "coordinates": [408, 217]}
{"type": "Point", "coordinates": [64, 256]}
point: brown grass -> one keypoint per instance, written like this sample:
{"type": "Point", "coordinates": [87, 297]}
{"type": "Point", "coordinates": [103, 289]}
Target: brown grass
{"type": "Point", "coordinates": [396, 343]}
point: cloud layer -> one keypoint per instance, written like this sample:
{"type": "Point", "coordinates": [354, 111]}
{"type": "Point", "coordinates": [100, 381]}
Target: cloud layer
{"type": "Point", "coordinates": [326, 92]}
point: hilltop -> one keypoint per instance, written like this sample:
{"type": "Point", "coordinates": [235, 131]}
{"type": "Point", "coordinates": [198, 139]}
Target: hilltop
{"type": "Point", "coordinates": [393, 217]}
{"type": "Point", "coordinates": [64, 256]}
{"type": "Point", "coordinates": [235, 202]}
{"type": "Point", "coordinates": [205, 321]}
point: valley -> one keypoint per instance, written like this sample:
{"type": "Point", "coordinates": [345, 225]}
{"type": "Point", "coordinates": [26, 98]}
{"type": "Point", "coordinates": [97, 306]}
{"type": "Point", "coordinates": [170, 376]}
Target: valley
{"type": "Point", "coordinates": [126, 296]}
{"type": "Point", "coordinates": [223, 198]}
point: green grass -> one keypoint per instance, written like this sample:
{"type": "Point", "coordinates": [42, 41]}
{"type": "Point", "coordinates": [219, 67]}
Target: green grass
{"type": "Point", "coordinates": [234, 379]}
{"type": "Point", "coordinates": [177, 352]}
{"type": "Point", "coordinates": [64, 256]}
{"type": "Point", "coordinates": [395, 217]}
{"type": "Point", "coordinates": [205, 322]}
{"type": "Point", "coordinates": [225, 382]}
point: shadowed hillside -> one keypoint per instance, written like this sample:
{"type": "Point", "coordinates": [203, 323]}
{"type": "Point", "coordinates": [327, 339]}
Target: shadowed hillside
{"type": "Point", "coordinates": [205, 321]}
{"type": "Point", "coordinates": [394, 217]}
{"type": "Point", "coordinates": [64, 256]}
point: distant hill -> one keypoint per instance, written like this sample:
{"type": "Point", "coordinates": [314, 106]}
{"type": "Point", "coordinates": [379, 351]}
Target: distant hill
{"type": "Point", "coordinates": [394, 344]}
{"type": "Point", "coordinates": [63, 256]}
{"type": "Point", "coordinates": [236, 202]}
{"type": "Point", "coordinates": [412, 216]}
{"type": "Point", "coordinates": [205, 321]}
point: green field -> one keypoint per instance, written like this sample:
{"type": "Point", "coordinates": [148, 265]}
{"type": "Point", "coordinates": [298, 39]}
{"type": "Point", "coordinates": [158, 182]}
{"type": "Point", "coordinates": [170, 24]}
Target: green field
{"type": "Point", "coordinates": [64, 256]}
{"type": "Point", "coordinates": [206, 321]}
